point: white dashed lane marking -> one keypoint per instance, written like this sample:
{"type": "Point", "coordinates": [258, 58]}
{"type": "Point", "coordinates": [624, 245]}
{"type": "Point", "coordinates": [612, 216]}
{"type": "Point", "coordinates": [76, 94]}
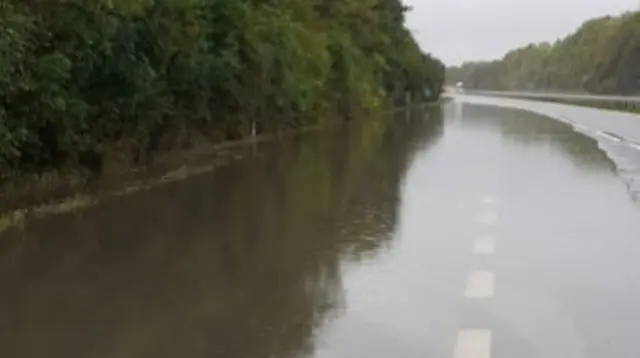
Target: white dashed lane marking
{"type": "Point", "coordinates": [488, 218]}
{"type": "Point", "coordinates": [480, 284]}
{"type": "Point", "coordinates": [473, 343]}
{"type": "Point", "coordinates": [485, 245]}
{"type": "Point", "coordinates": [488, 199]}
{"type": "Point", "coordinates": [476, 343]}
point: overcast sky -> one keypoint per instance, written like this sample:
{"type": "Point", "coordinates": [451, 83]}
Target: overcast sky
{"type": "Point", "coordinates": [460, 30]}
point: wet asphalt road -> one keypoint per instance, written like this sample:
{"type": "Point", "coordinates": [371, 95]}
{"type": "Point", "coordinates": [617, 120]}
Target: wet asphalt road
{"type": "Point", "coordinates": [469, 231]}
{"type": "Point", "coordinates": [620, 125]}
{"type": "Point", "coordinates": [562, 259]}
{"type": "Point", "coordinates": [566, 96]}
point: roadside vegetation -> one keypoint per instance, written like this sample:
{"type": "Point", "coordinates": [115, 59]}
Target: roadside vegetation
{"type": "Point", "coordinates": [81, 77]}
{"type": "Point", "coordinates": [602, 57]}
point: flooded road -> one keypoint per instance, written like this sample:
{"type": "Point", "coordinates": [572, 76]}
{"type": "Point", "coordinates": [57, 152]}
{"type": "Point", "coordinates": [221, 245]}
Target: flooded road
{"type": "Point", "coordinates": [465, 231]}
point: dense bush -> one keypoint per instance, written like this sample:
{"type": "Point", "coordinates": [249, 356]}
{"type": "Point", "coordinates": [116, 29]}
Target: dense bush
{"type": "Point", "coordinates": [78, 74]}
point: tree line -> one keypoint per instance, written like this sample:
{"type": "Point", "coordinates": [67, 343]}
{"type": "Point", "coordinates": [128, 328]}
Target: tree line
{"type": "Point", "coordinates": [601, 56]}
{"type": "Point", "coordinates": [79, 75]}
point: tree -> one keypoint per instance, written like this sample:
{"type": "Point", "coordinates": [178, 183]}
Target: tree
{"type": "Point", "coordinates": [599, 57]}
{"type": "Point", "coordinates": [80, 75]}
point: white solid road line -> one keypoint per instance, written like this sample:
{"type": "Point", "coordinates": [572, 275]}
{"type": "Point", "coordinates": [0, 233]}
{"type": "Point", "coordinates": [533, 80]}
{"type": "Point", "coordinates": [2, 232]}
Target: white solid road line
{"type": "Point", "coordinates": [485, 245]}
{"type": "Point", "coordinates": [608, 136]}
{"type": "Point", "coordinates": [473, 343]}
{"type": "Point", "coordinates": [488, 218]}
{"type": "Point", "coordinates": [480, 284]}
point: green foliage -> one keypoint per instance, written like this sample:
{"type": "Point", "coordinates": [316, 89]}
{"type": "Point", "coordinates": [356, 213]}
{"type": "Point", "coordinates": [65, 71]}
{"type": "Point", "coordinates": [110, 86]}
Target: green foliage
{"type": "Point", "coordinates": [618, 71]}
{"type": "Point", "coordinates": [601, 56]}
{"type": "Point", "coordinates": [79, 74]}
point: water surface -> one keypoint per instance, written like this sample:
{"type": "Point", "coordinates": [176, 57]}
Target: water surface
{"type": "Point", "coordinates": [354, 242]}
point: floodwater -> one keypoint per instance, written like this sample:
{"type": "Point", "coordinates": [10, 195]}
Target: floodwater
{"type": "Point", "coordinates": [462, 231]}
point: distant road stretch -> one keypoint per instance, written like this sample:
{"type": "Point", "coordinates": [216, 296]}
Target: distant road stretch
{"type": "Point", "coordinates": [564, 96]}
{"type": "Point", "coordinates": [549, 95]}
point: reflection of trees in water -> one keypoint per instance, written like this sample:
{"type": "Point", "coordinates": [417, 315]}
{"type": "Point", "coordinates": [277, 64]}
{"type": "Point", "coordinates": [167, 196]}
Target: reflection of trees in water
{"type": "Point", "coordinates": [397, 140]}
{"type": "Point", "coordinates": [530, 129]}
{"type": "Point", "coordinates": [422, 131]}
{"type": "Point", "coordinates": [244, 262]}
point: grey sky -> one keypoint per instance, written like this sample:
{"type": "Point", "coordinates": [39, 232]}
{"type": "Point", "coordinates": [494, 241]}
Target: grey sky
{"type": "Point", "coordinates": [460, 30]}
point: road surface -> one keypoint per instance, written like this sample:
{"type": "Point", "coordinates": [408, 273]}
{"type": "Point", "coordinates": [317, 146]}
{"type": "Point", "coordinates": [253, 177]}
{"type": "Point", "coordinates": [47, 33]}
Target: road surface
{"type": "Point", "coordinates": [577, 97]}
{"type": "Point", "coordinates": [620, 124]}
{"type": "Point", "coordinates": [469, 231]}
